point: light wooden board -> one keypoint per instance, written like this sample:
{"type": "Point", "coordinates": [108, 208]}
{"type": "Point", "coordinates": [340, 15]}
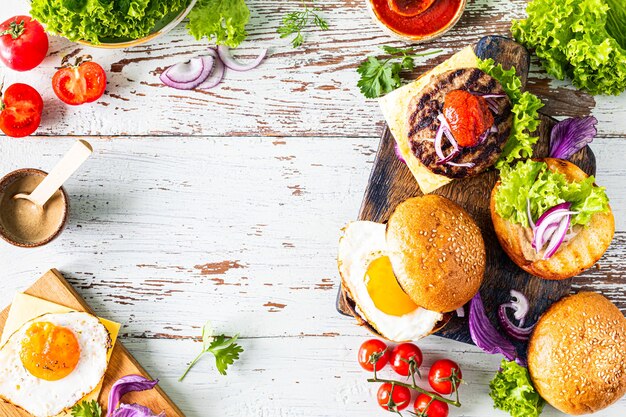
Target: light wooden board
{"type": "Point", "coordinates": [53, 287]}
{"type": "Point", "coordinates": [175, 221]}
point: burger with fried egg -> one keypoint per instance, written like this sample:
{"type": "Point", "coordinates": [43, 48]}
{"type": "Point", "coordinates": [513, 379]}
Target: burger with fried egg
{"type": "Point", "coordinates": [404, 278]}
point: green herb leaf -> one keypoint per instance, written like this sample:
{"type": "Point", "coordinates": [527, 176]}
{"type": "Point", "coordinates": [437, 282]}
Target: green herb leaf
{"type": "Point", "coordinates": [226, 351]}
{"type": "Point", "coordinates": [513, 392]}
{"type": "Point", "coordinates": [87, 409]}
{"type": "Point", "coordinates": [379, 77]}
{"type": "Point", "coordinates": [221, 21]}
{"type": "Point", "coordinates": [224, 348]}
{"type": "Point", "coordinates": [296, 22]}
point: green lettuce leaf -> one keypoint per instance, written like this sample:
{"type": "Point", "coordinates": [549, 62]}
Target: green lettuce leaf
{"type": "Point", "coordinates": [584, 40]}
{"type": "Point", "coordinates": [533, 181]}
{"type": "Point", "coordinates": [98, 20]}
{"type": "Point", "coordinates": [222, 21]}
{"type": "Point", "coordinates": [525, 113]}
{"type": "Point", "coordinates": [513, 392]}
{"type": "Point", "coordinates": [616, 20]}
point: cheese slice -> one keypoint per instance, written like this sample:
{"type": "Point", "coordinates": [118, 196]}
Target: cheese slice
{"type": "Point", "coordinates": [394, 107]}
{"type": "Point", "coordinates": [26, 307]}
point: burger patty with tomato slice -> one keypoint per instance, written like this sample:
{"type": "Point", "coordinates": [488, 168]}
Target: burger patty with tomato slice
{"type": "Point", "coordinates": [457, 126]}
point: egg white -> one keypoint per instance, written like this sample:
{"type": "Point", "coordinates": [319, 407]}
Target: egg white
{"type": "Point", "coordinates": [362, 243]}
{"type": "Point", "coordinates": [43, 398]}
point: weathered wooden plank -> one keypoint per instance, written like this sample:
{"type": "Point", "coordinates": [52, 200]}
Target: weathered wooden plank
{"type": "Point", "coordinates": [243, 232]}
{"type": "Point", "coordinates": [305, 92]}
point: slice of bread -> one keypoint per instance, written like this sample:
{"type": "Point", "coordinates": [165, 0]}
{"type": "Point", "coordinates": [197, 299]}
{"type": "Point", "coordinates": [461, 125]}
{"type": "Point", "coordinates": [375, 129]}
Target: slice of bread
{"type": "Point", "coordinates": [580, 253]}
{"type": "Point", "coordinates": [394, 107]}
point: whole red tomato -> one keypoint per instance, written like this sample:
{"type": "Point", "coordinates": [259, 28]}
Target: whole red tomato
{"type": "Point", "coordinates": [393, 397]}
{"type": "Point", "coordinates": [81, 83]}
{"type": "Point", "coordinates": [406, 358]}
{"type": "Point", "coordinates": [444, 376]}
{"type": "Point", "coordinates": [23, 43]}
{"type": "Point", "coordinates": [426, 406]}
{"type": "Point", "coordinates": [20, 110]}
{"type": "Point", "coordinates": [371, 351]}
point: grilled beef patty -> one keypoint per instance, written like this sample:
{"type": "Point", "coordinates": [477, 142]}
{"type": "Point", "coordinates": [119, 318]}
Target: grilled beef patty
{"type": "Point", "coordinates": [422, 123]}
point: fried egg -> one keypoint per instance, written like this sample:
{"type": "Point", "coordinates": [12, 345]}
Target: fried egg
{"type": "Point", "coordinates": [51, 362]}
{"type": "Point", "coordinates": [368, 277]}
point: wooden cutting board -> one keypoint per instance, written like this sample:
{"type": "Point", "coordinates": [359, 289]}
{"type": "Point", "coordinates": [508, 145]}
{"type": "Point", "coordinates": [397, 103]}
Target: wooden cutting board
{"type": "Point", "coordinates": [53, 287]}
{"type": "Point", "coordinates": [391, 183]}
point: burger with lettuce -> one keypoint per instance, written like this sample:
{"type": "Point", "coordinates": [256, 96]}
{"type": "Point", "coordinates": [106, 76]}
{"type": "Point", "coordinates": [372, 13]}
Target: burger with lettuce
{"type": "Point", "coordinates": [551, 218]}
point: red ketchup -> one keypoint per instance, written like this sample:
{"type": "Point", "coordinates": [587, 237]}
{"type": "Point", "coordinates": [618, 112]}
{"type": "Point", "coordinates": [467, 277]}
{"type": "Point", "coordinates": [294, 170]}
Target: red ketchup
{"type": "Point", "coordinates": [468, 116]}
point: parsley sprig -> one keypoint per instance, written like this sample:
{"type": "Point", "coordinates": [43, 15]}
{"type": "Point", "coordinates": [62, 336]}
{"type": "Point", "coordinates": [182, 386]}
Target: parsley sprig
{"type": "Point", "coordinates": [223, 347]}
{"type": "Point", "coordinates": [87, 409]}
{"type": "Point", "coordinates": [295, 22]}
{"type": "Point", "coordinates": [381, 76]}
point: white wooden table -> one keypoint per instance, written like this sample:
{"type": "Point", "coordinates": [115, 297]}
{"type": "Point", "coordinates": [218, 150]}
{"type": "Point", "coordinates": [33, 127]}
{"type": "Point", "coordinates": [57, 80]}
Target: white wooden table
{"type": "Point", "coordinates": [226, 205]}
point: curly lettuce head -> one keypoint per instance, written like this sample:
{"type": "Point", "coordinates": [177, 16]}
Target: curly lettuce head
{"type": "Point", "coordinates": [96, 21]}
{"type": "Point", "coordinates": [584, 40]}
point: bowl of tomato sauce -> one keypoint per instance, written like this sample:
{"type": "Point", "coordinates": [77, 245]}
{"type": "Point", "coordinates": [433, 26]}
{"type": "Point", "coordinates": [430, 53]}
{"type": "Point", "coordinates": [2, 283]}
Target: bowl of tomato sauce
{"type": "Point", "coordinates": [416, 21]}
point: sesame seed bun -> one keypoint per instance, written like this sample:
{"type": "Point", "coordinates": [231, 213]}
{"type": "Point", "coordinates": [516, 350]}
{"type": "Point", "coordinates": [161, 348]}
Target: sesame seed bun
{"type": "Point", "coordinates": [577, 354]}
{"type": "Point", "coordinates": [580, 253]}
{"type": "Point", "coordinates": [437, 252]}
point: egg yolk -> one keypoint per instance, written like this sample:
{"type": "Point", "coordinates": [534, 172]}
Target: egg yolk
{"type": "Point", "coordinates": [49, 351]}
{"type": "Point", "coordinates": [384, 290]}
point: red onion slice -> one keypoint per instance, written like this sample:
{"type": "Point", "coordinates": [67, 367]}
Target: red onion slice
{"type": "Point", "coordinates": [232, 63]}
{"type": "Point", "coordinates": [215, 77]}
{"type": "Point", "coordinates": [184, 73]}
{"type": "Point", "coordinates": [562, 206]}
{"type": "Point", "coordinates": [545, 226]}
{"type": "Point", "coordinates": [464, 164]}
{"type": "Point", "coordinates": [557, 238]}
{"type": "Point", "coordinates": [484, 334]}
{"type": "Point", "coordinates": [520, 306]}
{"type": "Point", "coordinates": [460, 312]}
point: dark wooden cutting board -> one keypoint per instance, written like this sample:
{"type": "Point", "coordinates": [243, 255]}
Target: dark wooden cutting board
{"type": "Point", "coordinates": [391, 182]}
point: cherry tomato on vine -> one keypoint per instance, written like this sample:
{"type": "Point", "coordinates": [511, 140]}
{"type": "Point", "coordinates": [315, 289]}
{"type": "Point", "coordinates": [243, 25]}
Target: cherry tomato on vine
{"type": "Point", "coordinates": [393, 397]}
{"type": "Point", "coordinates": [426, 406]}
{"type": "Point", "coordinates": [444, 375]}
{"type": "Point", "coordinates": [20, 110]}
{"type": "Point", "coordinates": [405, 357]}
{"type": "Point", "coordinates": [373, 350]}
{"type": "Point", "coordinates": [78, 84]}
{"type": "Point", "coordinates": [23, 43]}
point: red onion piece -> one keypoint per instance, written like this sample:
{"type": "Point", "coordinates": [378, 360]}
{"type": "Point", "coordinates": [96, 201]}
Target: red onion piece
{"type": "Point", "coordinates": [185, 72]}
{"type": "Point", "coordinates": [217, 74]}
{"type": "Point", "coordinates": [135, 410]}
{"type": "Point", "coordinates": [181, 76]}
{"type": "Point", "coordinates": [492, 95]}
{"type": "Point", "coordinates": [484, 334]}
{"type": "Point", "coordinates": [232, 63]}
{"type": "Point", "coordinates": [125, 385]}
{"type": "Point", "coordinates": [562, 206]}
{"type": "Point", "coordinates": [547, 225]}
{"type": "Point", "coordinates": [516, 332]}
{"type": "Point", "coordinates": [398, 154]}
{"type": "Point", "coordinates": [520, 307]}
{"type": "Point", "coordinates": [460, 312]}
{"type": "Point", "coordinates": [557, 238]}
{"type": "Point", "coordinates": [464, 164]}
